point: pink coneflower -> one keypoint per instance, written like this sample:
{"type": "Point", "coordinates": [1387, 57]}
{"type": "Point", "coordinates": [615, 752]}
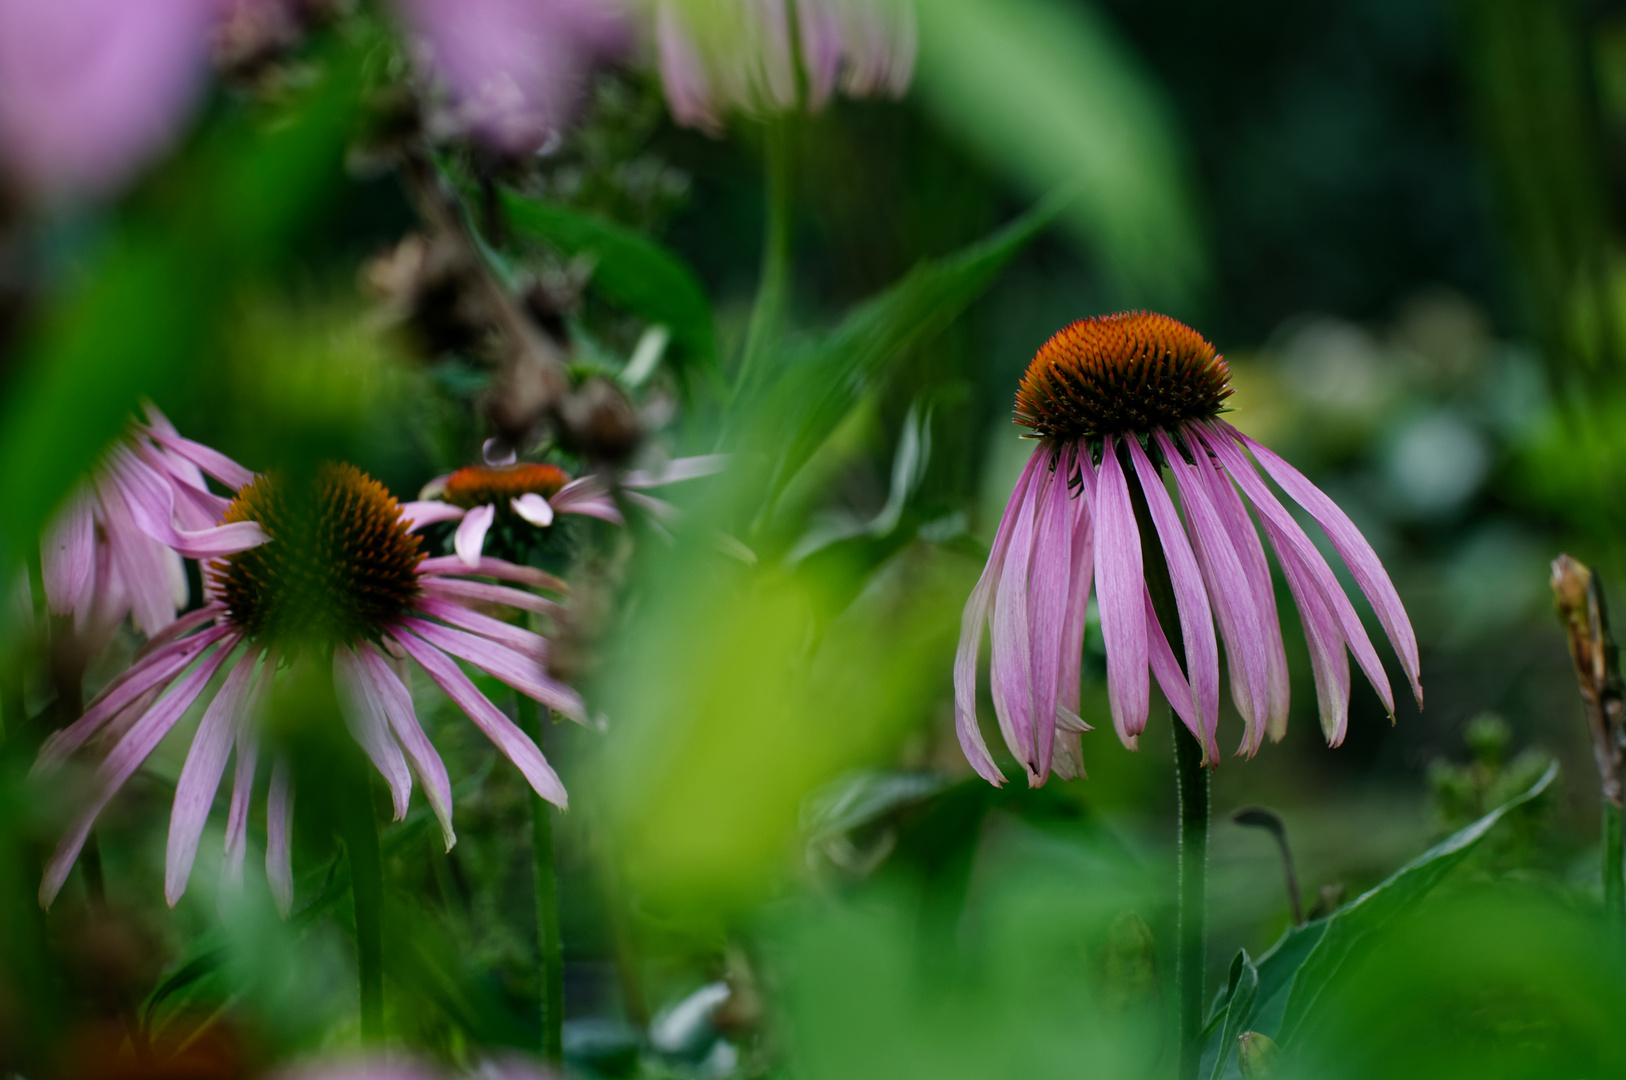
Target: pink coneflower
{"type": "Point", "coordinates": [1111, 399]}
{"type": "Point", "coordinates": [341, 580]}
{"type": "Point", "coordinates": [720, 55]}
{"type": "Point", "coordinates": [479, 496]}
{"type": "Point", "coordinates": [115, 548]}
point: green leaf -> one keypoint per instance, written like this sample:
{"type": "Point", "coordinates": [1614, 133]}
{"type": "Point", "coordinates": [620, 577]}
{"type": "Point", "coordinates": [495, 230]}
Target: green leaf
{"type": "Point", "coordinates": [1243, 985]}
{"type": "Point", "coordinates": [1350, 926]}
{"type": "Point", "coordinates": [1049, 91]}
{"type": "Point", "coordinates": [799, 409]}
{"type": "Point", "coordinates": [631, 271]}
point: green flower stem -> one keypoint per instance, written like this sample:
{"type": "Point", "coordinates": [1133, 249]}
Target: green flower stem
{"type": "Point", "coordinates": [773, 288]}
{"type": "Point", "coordinates": [547, 904]}
{"type": "Point", "coordinates": [1614, 886]}
{"type": "Point", "coordinates": [1191, 780]}
{"type": "Point", "coordinates": [360, 825]}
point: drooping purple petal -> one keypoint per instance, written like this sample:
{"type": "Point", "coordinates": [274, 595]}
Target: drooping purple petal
{"type": "Point", "coordinates": [533, 508]}
{"type": "Point", "coordinates": [503, 733]}
{"type": "Point", "coordinates": [279, 825]}
{"type": "Point", "coordinates": [523, 673]}
{"type": "Point", "coordinates": [147, 583]}
{"type": "Point", "coordinates": [1010, 668]}
{"type": "Point", "coordinates": [1172, 681]}
{"type": "Point", "coordinates": [1190, 597]}
{"type": "Point", "coordinates": [1352, 547]}
{"type": "Point", "coordinates": [1049, 590]}
{"type": "Point", "coordinates": [248, 757]}
{"type": "Point", "coordinates": [516, 637]}
{"type": "Point", "coordinates": [587, 496]}
{"type": "Point", "coordinates": [151, 502]}
{"type": "Point", "coordinates": [479, 592]}
{"type": "Point", "coordinates": [972, 621]}
{"type": "Point", "coordinates": [210, 460]}
{"type": "Point", "coordinates": [361, 703]}
{"type": "Point", "coordinates": [496, 568]}
{"type": "Point", "coordinates": [122, 762]}
{"type": "Point", "coordinates": [1327, 656]}
{"type": "Point", "coordinates": [68, 553]}
{"type": "Point", "coordinates": [403, 719]}
{"type": "Point", "coordinates": [1229, 592]}
{"type": "Point", "coordinates": [1078, 603]}
{"type": "Point", "coordinates": [427, 512]}
{"type": "Point", "coordinates": [1120, 578]}
{"type": "Point", "coordinates": [1320, 573]}
{"type": "Point", "coordinates": [470, 539]}
{"type": "Point", "coordinates": [200, 776]}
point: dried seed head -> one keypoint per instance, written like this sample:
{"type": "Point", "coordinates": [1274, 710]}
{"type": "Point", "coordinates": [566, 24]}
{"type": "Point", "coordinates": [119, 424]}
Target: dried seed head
{"type": "Point", "coordinates": [1133, 372]}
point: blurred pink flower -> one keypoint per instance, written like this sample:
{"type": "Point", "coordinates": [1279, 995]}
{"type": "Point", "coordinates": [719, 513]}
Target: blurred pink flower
{"type": "Point", "coordinates": [340, 580]}
{"type": "Point", "coordinates": [508, 1068]}
{"type": "Point", "coordinates": [91, 90]}
{"type": "Point", "coordinates": [720, 55]}
{"type": "Point", "coordinates": [1104, 387]}
{"type": "Point", "coordinates": [514, 71]}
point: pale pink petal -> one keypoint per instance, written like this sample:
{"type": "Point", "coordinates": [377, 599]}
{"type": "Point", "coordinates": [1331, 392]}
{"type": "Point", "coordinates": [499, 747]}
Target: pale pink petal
{"type": "Point", "coordinates": [1172, 681]}
{"type": "Point", "coordinates": [1048, 593]}
{"type": "Point", "coordinates": [1321, 575]}
{"type": "Point", "coordinates": [68, 553]}
{"type": "Point", "coordinates": [533, 508]}
{"type": "Point", "coordinates": [200, 776]}
{"type": "Point", "coordinates": [971, 629]}
{"type": "Point", "coordinates": [1327, 656]}
{"type": "Point", "coordinates": [122, 762]}
{"type": "Point", "coordinates": [211, 461]}
{"type": "Point", "coordinates": [587, 496]}
{"type": "Point", "coordinates": [428, 512]}
{"type": "Point", "coordinates": [242, 792]}
{"type": "Point", "coordinates": [471, 534]}
{"type": "Point", "coordinates": [1230, 594]}
{"type": "Point", "coordinates": [1352, 547]}
{"type": "Point", "coordinates": [503, 732]}
{"type": "Point", "coordinates": [361, 702]}
{"type": "Point", "coordinates": [1010, 668]}
{"type": "Point", "coordinates": [151, 501]}
{"type": "Point", "coordinates": [683, 73]}
{"type": "Point", "coordinates": [1078, 603]}
{"type": "Point", "coordinates": [151, 602]}
{"type": "Point", "coordinates": [279, 823]}
{"type": "Point", "coordinates": [1191, 598]}
{"type": "Point", "coordinates": [676, 471]}
{"type": "Point", "coordinates": [403, 720]}
{"type": "Point", "coordinates": [478, 592]}
{"type": "Point", "coordinates": [819, 31]}
{"type": "Point", "coordinates": [183, 624]}
{"type": "Point", "coordinates": [496, 568]}
{"type": "Point", "coordinates": [1120, 580]}
{"type": "Point", "coordinates": [516, 637]}
{"type": "Point", "coordinates": [523, 673]}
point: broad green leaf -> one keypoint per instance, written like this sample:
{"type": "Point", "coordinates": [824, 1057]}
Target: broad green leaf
{"type": "Point", "coordinates": [1350, 926]}
{"type": "Point", "coordinates": [809, 399]}
{"type": "Point", "coordinates": [1048, 91]}
{"type": "Point", "coordinates": [631, 271]}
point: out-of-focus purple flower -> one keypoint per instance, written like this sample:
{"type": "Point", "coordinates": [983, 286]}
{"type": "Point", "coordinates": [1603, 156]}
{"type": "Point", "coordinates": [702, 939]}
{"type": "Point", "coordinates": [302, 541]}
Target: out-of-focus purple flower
{"type": "Point", "coordinates": [507, 1068]}
{"type": "Point", "coordinates": [514, 71]}
{"type": "Point", "coordinates": [478, 496]}
{"type": "Point", "coordinates": [1110, 399]}
{"type": "Point", "coordinates": [91, 90]}
{"type": "Point", "coordinates": [115, 549]}
{"type": "Point", "coordinates": [720, 55]}
{"type": "Point", "coordinates": [339, 579]}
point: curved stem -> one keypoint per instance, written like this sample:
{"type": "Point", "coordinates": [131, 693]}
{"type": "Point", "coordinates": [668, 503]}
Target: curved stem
{"type": "Point", "coordinates": [547, 904]}
{"type": "Point", "coordinates": [773, 288]}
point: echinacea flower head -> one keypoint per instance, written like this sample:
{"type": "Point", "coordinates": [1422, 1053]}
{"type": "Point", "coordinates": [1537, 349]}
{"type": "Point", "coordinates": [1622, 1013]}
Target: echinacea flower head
{"type": "Point", "coordinates": [717, 56]}
{"type": "Point", "coordinates": [1113, 401]}
{"type": "Point", "coordinates": [341, 579]}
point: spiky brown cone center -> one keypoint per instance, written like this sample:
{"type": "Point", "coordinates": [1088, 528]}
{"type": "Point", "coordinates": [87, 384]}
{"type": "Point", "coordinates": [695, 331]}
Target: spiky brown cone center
{"type": "Point", "coordinates": [339, 564]}
{"type": "Point", "coordinates": [1133, 372]}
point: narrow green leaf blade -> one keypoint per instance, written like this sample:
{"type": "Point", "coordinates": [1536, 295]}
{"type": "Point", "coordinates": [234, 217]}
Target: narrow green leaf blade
{"type": "Point", "coordinates": [1244, 986]}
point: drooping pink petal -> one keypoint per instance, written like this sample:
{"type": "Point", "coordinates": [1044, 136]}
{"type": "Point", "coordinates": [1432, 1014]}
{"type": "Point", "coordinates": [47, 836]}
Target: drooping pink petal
{"type": "Point", "coordinates": [1172, 681]}
{"type": "Point", "coordinates": [403, 720]}
{"type": "Point", "coordinates": [496, 568]}
{"type": "Point", "coordinates": [122, 762]}
{"type": "Point", "coordinates": [1327, 656]}
{"type": "Point", "coordinates": [1251, 553]}
{"type": "Point", "coordinates": [972, 622]}
{"type": "Point", "coordinates": [516, 637]}
{"type": "Point", "coordinates": [586, 495]}
{"type": "Point", "coordinates": [521, 672]}
{"type": "Point", "coordinates": [210, 460]}
{"type": "Point", "coordinates": [155, 671]}
{"type": "Point", "coordinates": [533, 508]}
{"type": "Point", "coordinates": [1120, 578]}
{"type": "Point", "coordinates": [1190, 597]}
{"type": "Point", "coordinates": [182, 625]}
{"type": "Point", "coordinates": [361, 703]}
{"type": "Point", "coordinates": [151, 599]}
{"type": "Point", "coordinates": [470, 539]}
{"type": "Point", "coordinates": [428, 512]}
{"type": "Point", "coordinates": [1352, 547]}
{"type": "Point", "coordinates": [279, 825]}
{"type": "Point", "coordinates": [1049, 590]}
{"type": "Point", "coordinates": [151, 500]}
{"type": "Point", "coordinates": [503, 733]}
{"type": "Point", "coordinates": [1078, 603]}
{"type": "Point", "coordinates": [1320, 573]}
{"type": "Point", "coordinates": [1230, 594]}
{"type": "Point", "coordinates": [478, 592]}
{"type": "Point", "coordinates": [200, 776]}
{"type": "Point", "coordinates": [683, 72]}
{"type": "Point", "coordinates": [68, 553]}
{"type": "Point", "coordinates": [1010, 668]}
{"type": "Point", "coordinates": [676, 471]}
{"type": "Point", "coordinates": [242, 788]}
